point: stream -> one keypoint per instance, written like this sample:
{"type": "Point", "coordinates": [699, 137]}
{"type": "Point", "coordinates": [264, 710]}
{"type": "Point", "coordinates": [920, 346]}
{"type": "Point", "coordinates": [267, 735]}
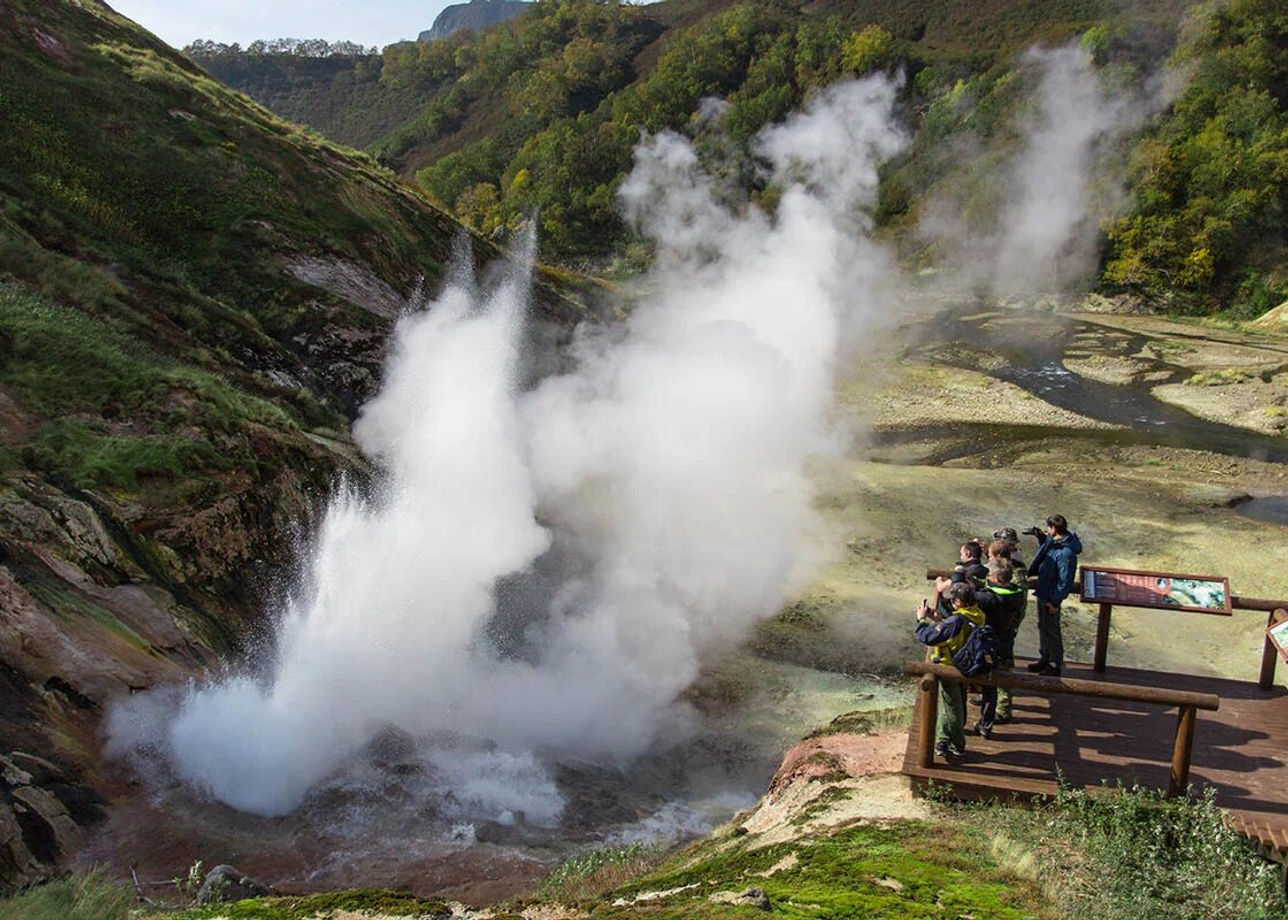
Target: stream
{"type": "Point", "coordinates": [1035, 364]}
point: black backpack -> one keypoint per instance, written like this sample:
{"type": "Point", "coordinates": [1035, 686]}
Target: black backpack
{"type": "Point", "coordinates": [978, 653]}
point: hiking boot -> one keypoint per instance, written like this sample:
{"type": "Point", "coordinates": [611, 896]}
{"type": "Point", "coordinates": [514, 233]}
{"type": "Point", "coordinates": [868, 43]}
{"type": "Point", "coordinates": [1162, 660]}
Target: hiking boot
{"type": "Point", "coordinates": [1038, 665]}
{"type": "Point", "coordinates": [984, 731]}
{"type": "Point", "coordinates": [953, 751]}
{"type": "Point", "coordinates": [941, 749]}
{"type": "Point", "coordinates": [1002, 719]}
{"type": "Point", "coordinates": [1049, 670]}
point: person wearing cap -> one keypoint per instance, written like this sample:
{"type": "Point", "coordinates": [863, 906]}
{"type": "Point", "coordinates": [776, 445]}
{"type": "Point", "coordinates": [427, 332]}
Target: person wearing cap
{"type": "Point", "coordinates": [1055, 565]}
{"type": "Point", "coordinates": [1011, 537]}
{"type": "Point", "coordinates": [943, 636]}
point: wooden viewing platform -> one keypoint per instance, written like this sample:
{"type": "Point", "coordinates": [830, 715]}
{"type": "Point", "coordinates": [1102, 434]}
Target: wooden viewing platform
{"type": "Point", "coordinates": [1240, 750]}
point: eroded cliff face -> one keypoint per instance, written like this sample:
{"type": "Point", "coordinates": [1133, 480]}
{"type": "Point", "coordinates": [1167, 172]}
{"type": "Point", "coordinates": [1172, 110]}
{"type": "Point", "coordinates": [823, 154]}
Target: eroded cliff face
{"type": "Point", "coordinates": [106, 595]}
{"type": "Point", "coordinates": [195, 300]}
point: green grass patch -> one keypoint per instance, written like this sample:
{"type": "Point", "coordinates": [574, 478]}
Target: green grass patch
{"type": "Point", "coordinates": [898, 871]}
{"type": "Point", "coordinates": [318, 907]}
{"type": "Point", "coordinates": [597, 872]}
{"type": "Point", "coordinates": [1133, 855]}
{"type": "Point", "coordinates": [59, 360]}
{"type": "Point", "coordinates": [86, 455]}
{"type": "Point", "coordinates": [866, 722]}
{"type": "Point", "coordinates": [82, 896]}
{"type": "Point", "coordinates": [116, 414]}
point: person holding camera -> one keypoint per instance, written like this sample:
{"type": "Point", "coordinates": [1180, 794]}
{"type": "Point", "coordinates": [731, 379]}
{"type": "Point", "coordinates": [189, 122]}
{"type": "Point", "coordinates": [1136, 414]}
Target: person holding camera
{"type": "Point", "coordinates": [945, 635]}
{"type": "Point", "coordinates": [1055, 565]}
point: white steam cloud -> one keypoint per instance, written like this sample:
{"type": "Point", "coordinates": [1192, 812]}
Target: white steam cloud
{"type": "Point", "coordinates": [544, 570]}
{"type": "Point", "coordinates": [1065, 179]}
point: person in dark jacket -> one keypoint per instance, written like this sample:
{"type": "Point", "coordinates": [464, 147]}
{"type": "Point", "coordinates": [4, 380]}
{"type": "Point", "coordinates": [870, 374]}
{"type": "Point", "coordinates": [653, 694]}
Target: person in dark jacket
{"type": "Point", "coordinates": [943, 636]}
{"type": "Point", "coordinates": [1055, 565]}
{"type": "Point", "coordinates": [1003, 605]}
{"type": "Point", "coordinates": [970, 566]}
{"type": "Point", "coordinates": [969, 570]}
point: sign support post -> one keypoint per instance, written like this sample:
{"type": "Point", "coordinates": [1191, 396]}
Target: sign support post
{"type": "Point", "coordinates": [1102, 638]}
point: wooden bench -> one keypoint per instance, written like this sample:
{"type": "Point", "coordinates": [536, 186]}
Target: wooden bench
{"type": "Point", "coordinates": [1188, 703]}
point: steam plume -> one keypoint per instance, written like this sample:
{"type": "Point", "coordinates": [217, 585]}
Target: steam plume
{"type": "Point", "coordinates": [1065, 179]}
{"type": "Point", "coordinates": [544, 570]}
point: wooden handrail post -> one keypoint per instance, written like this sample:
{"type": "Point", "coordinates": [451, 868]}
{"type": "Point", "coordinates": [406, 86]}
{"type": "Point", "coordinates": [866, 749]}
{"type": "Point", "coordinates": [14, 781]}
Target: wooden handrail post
{"type": "Point", "coordinates": [1102, 638]}
{"type": "Point", "coordinates": [1182, 750]}
{"type": "Point", "coordinates": [929, 689]}
{"type": "Point", "coordinates": [1270, 654]}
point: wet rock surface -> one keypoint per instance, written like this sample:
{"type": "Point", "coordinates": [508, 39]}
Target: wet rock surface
{"type": "Point", "coordinates": [44, 816]}
{"type": "Point", "coordinates": [226, 883]}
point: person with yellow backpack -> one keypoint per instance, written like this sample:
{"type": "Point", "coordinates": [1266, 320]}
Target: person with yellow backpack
{"type": "Point", "coordinates": [943, 636]}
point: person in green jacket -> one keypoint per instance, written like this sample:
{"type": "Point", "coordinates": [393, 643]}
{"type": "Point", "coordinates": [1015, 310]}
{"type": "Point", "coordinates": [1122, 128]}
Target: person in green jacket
{"type": "Point", "coordinates": [943, 636]}
{"type": "Point", "coordinates": [1003, 604]}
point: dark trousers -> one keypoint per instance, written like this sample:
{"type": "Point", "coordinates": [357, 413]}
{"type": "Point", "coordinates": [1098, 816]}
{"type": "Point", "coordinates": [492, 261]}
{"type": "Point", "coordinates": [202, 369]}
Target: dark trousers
{"type": "Point", "coordinates": [1050, 639]}
{"type": "Point", "coordinates": [997, 702]}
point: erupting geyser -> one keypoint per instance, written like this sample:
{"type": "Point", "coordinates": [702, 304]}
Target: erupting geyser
{"type": "Point", "coordinates": [635, 513]}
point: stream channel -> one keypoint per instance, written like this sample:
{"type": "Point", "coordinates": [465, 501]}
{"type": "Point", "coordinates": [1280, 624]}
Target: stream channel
{"type": "Point", "coordinates": [1035, 364]}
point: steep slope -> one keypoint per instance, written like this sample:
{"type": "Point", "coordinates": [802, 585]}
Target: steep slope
{"type": "Point", "coordinates": [194, 300]}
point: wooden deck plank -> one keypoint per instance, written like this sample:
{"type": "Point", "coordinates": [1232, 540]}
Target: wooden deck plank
{"type": "Point", "coordinates": [1241, 750]}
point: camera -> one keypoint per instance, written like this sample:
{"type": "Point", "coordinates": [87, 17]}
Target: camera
{"type": "Point", "coordinates": [1033, 531]}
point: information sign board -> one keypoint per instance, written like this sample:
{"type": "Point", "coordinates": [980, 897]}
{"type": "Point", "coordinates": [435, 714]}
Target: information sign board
{"type": "Point", "coordinates": [1200, 593]}
{"type": "Point", "coordinates": [1278, 634]}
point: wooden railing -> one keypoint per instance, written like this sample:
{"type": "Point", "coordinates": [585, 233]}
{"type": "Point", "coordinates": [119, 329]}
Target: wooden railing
{"type": "Point", "coordinates": [1269, 654]}
{"type": "Point", "coordinates": [1188, 702]}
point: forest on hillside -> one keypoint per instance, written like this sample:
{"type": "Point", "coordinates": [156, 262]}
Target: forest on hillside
{"type": "Point", "coordinates": [542, 114]}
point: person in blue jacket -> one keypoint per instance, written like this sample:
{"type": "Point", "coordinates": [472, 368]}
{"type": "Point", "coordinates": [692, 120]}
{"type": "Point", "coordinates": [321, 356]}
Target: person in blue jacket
{"type": "Point", "coordinates": [1055, 565]}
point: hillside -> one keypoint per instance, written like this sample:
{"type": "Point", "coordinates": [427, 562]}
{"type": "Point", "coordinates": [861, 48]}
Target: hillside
{"type": "Point", "coordinates": [194, 300]}
{"type": "Point", "coordinates": [542, 113]}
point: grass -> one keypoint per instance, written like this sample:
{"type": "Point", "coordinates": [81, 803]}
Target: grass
{"type": "Point", "coordinates": [82, 896]}
{"type": "Point", "coordinates": [866, 722]}
{"type": "Point", "coordinates": [318, 906]}
{"type": "Point", "coordinates": [937, 872]}
{"type": "Point", "coordinates": [116, 413]}
{"type": "Point", "coordinates": [597, 872]}
{"type": "Point", "coordinates": [1133, 855]}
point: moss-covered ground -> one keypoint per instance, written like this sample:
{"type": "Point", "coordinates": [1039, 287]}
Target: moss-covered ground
{"type": "Point", "coordinates": [1131, 855]}
{"type": "Point", "coordinates": [895, 870]}
{"type": "Point", "coordinates": [367, 901]}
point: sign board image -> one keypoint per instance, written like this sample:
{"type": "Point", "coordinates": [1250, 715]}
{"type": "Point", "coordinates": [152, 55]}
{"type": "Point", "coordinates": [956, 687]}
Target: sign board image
{"type": "Point", "coordinates": [1279, 636]}
{"type": "Point", "coordinates": [1201, 593]}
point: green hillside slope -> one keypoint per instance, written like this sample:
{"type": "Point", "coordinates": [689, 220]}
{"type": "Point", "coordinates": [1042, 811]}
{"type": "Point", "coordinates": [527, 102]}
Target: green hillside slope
{"type": "Point", "coordinates": [542, 113]}
{"type": "Point", "coordinates": [194, 300]}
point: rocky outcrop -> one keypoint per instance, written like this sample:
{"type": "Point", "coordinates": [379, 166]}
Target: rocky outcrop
{"type": "Point", "coordinates": [44, 811]}
{"type": "Point", "coordinates": [477, 14]}
{"type": "Point", "coordinates": [104, 595]}
{"type": "Point", "coordinates": [224, 883]}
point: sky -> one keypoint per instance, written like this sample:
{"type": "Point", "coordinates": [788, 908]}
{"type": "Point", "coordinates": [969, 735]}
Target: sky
{"type": "Point", "coordinates": [179, 22]}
